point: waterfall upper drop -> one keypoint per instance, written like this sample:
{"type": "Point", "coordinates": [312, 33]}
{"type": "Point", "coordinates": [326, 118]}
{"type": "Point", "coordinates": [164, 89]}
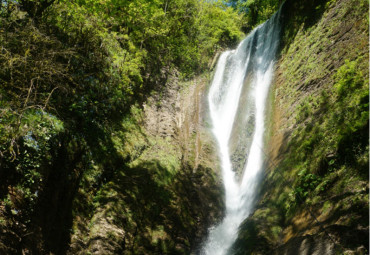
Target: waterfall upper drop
{"type": "Point", "coordinates": [237, 100]}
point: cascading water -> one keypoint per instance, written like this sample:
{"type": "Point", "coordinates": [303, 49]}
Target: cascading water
{"type": "Point", "coordinates": [241, 74]}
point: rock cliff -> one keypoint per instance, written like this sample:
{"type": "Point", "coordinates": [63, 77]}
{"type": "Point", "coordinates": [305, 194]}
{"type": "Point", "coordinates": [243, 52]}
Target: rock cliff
{"type": "Point", "coordinates": [168, 191]}
{"type": "Point", "coordinates": [314, 196]}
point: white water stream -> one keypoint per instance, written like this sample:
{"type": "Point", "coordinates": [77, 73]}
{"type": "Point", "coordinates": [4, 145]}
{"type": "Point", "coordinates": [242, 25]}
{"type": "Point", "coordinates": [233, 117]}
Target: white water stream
{"type": "Point", "coordinates": [254, 58]}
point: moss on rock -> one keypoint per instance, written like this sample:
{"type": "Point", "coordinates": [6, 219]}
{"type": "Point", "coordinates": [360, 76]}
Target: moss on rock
{"type": "Point", "coordinates": [316, 189]}
{"type": "Point", "coordinates": [167, 191]}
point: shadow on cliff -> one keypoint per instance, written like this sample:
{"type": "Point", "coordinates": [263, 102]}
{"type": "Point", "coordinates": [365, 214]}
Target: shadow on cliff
{"type": "Point", "coordinates": [297, 13]}
{"type": "Point", "coordinates": [56, 207]}
{"type": "Point", "coordinates": [159, 211]}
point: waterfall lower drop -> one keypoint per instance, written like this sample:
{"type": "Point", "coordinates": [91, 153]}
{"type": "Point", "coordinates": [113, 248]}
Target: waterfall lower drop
{"type": "Point", "coordinates": [251, 64]}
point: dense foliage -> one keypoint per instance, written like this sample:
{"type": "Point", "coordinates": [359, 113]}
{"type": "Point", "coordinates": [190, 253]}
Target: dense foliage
{"type": "Point", "coordinates": [69, 73]}
{"type": "Point", "coordinates": [255, 11]}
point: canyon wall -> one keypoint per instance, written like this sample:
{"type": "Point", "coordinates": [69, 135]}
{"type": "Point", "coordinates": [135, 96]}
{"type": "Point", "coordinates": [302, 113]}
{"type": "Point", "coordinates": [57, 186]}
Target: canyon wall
{"type": "Point", "coordinates": [168, 191]}
{"type": "Point", "coordinates": [314, 195]}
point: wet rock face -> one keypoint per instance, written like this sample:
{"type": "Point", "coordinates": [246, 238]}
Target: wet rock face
{"type": "Point", "coordinates": [240, 143]}
{"type": "Point", "coordinates": [243, 129]}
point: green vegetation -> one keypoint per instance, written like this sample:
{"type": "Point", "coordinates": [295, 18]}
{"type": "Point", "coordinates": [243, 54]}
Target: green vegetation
{"type": "Point", "coordinates": [339, 138]}
{"type": "Point", "coordinates": [80, 171]}
{"type": "Point", "coordinates": [70, 72]}
{"type": "Point", "coordinates": [255, 11]}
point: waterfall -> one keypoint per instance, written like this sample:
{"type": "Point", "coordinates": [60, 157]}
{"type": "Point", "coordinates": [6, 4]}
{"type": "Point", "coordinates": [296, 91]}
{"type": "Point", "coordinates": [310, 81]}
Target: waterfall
{"type": "Point", "coordinates": [237, 98]}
